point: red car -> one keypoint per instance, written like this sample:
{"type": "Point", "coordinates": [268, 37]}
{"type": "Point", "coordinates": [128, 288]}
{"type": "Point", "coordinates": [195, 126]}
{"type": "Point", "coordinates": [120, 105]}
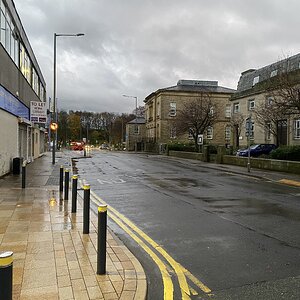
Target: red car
{"type": "Point", "coordinates": [77, 146]}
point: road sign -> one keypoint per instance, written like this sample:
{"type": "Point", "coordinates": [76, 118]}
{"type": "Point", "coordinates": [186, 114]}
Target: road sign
{"type": "Point", "coordinates": [38, 112]}
{"type": "Point", "coordinates": [200, 139]}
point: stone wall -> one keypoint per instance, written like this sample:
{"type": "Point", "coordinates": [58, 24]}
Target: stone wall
{"type": "Point", "coordinates": [259, 163]}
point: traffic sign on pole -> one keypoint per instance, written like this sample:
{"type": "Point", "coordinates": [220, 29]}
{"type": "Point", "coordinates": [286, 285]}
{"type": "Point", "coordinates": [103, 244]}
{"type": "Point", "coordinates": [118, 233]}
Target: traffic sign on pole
{"type": "Point", "coordinates": [200, 139]}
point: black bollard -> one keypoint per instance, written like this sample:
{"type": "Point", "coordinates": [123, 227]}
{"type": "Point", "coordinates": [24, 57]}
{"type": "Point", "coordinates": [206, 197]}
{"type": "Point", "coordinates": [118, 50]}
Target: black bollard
{"type": "Point", "coordinates": [102, 228]}
{"type": "Point", "coordinates": [74, 193]}
{"type": "Point", "coordinates": [86, 209]}
{"type": "Point", "coordinates": [6, 275]}
{"type": "Point", "coordinates": [24, 175]}
{"type": "Point", "coordinates": [61, 179]}
{"type": "Point", "coordinates": [67, 177]}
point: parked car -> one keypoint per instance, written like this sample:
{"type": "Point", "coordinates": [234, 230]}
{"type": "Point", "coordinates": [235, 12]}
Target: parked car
{"type": "Point", "coordinates": [104, 147]}
{"type": "Point", "coordinates": [257, 150]}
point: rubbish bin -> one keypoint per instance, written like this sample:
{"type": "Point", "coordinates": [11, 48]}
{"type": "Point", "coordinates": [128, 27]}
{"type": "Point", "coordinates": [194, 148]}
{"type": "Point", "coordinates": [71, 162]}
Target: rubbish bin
{"type": "Point", "coordinates": [17, 164]}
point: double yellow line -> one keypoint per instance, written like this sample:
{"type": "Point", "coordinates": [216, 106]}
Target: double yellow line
{"type": "Point", "coordinates": [145, 242]}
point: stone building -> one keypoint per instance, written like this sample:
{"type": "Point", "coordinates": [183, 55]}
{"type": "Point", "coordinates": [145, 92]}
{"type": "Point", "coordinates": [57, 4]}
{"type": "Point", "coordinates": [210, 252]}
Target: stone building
{"type": "Point", "coordinates": [162, 105]}
{"type": "Point", "coordinates": [21, 81]}
{"type": "Point", "coordinates": [258, 88]}
{"type": "Point", "coordinates": [135, 134]}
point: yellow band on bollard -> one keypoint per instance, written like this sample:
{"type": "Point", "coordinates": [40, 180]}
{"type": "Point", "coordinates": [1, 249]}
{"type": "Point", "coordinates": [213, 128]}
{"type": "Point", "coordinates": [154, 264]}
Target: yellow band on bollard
{"type": "Point", "coordinates": [67, 170]}
{"type": "Point", "coordinates": [61, 166]}
{"type": "Point", "coordinates": [6, 259]}
{"type": "Point", "coordinates": [86, 187]}
{"type": "Point", "coordinates": [74, 177]}
{"type": "Point", "coordinates": [102, 208]}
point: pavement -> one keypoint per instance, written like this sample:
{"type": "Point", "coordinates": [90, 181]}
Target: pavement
{"type": "Point", "coordinates": [52, 258]}
{"type": "Point", "coordinates": [278, 177]}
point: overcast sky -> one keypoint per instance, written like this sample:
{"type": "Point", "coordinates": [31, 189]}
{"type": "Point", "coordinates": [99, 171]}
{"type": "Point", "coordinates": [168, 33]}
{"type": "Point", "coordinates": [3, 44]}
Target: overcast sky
{"type": "Point", "coordinates": [135, 47]}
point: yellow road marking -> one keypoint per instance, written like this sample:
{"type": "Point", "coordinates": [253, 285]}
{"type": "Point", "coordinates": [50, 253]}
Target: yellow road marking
{"type": "Point", "coordinates": [185, 291]}
{"type": "Point", "coordinates": [196, 281]}
{"type": "Point", "coordinates": [181, 272]}
{"type": "Point", "coordinates": [289, 182]}
{"type": "Point", "coordinates": [167, 282]}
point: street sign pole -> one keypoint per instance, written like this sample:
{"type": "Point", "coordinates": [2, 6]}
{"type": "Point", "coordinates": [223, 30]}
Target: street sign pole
{"type": "Point", "coordinates": [248, 129]}
{"type": "Point", "coordinates": [200, 140]}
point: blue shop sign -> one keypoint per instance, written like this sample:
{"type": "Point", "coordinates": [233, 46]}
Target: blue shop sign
{"type": "Point", "coordinates": [13, 105]}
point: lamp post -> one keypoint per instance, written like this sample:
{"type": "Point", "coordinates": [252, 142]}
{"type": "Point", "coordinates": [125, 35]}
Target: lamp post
{"type": "Point", "coordinates": [136, 128]}
{"type": "Point", "coordinates": [54, 115]}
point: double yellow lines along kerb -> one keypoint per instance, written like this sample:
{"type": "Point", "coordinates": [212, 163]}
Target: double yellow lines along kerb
{"type": "Point", "coordinates": [151, 247]}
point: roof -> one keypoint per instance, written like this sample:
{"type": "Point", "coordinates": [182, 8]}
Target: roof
{"type": "Point", "coordinates": [194, 86]}
{"type": "Point", "coordinates": [138, 120]}
{"type": "Point", "coordinates": [247, 77]}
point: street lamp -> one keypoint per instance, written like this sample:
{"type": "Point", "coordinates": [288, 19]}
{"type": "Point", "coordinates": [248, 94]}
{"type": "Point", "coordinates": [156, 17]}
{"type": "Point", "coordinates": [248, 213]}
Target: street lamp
{"type": "Point", "coordinates": [54, 116]}
{"type": "Point", "coordinates": [136, 132]}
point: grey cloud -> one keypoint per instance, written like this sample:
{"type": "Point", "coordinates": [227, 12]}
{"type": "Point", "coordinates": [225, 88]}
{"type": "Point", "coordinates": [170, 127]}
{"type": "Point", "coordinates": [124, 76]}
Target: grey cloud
{"type": "Point", "coordinates": [135, 47]}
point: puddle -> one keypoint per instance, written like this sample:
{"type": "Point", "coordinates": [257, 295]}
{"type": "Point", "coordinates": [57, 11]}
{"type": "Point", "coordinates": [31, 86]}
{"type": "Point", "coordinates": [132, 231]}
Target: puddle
{"type": "Point", "coordinates": [253, 207]}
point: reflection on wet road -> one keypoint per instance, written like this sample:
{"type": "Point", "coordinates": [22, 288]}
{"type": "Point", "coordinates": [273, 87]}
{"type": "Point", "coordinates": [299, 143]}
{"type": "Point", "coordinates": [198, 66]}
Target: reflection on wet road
{"type": "Point", "coordinates": [230, 231]}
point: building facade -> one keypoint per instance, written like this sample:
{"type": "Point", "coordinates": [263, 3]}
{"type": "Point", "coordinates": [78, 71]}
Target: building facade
{"type": "Point", "coordinates": [161, 108]}
{"type": "Point", "coordinates": [135, 134]}
{"type": "Point", "coordinates": [21, 81]}
{"type": "Point", "coordinates": [256, 91]}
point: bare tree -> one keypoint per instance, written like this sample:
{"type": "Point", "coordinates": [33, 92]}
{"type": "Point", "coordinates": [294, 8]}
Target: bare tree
{"type": "Point", "coordinates": [196, 116]}
{"type": "Point", "coordinates": [284, 88]}
{"type": "Point", "coordinates": [268, 114]}
{"type": "Point", "coordinates": [236, 121]}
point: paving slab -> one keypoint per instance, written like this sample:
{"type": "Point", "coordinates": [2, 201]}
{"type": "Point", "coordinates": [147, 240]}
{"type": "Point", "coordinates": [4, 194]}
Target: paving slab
{"type": "Point", "coordinates": [52, 258]}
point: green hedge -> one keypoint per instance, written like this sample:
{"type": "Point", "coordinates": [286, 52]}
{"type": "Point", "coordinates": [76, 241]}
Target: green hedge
{"type": "Point", "coordinates": [286, 153]}
{"type": "Point", "coordinates": [182, 147]}
{"type": "Point", "coordinates": [190, 148]}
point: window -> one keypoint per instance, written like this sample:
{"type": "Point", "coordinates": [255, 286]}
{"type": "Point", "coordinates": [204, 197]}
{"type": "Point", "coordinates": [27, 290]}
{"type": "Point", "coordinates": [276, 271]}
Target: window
{"type": "Point", "coordinates": [255, 80]}
{"type": "Point", "coordinates": [236, 108]}
{"type": "Point", "coordinates": [251, 104]}
{"type": "Point", "coordinates": [228, 111]}
{"type": "Point", "coordinates": [3, 24]}
{"type": "Point", "coordinates": [8, 36]}
{"type": "Point", "coordinates": [173, 132]}
{"type": "Point", "coordinates": [172, 111]}
{"type": "Point", "coordinates": [297, 129]}
{"type": "Point", "coordinates": [157, 110]}
{"type": "Point", "coordinates": [209, 133]}
{"type": "Point", "coordinates": [8, 32]}
{"type": "Point", "coordinates": [269, 101]}
{"type": "Point", "coordinates": [273, 73]}
{"type": "Point", "coordinates": [227, 133]}
{"type": "Point", "coordinates": [35, 82]}
{"type": "Point", "coordinates": [25, 64]}
{"type": "Point", "coordinates": [268, 131]}
{"type": "Point", "coordinates": [136, 129]}
{"type": "Point", "coordinates": [42, 92]}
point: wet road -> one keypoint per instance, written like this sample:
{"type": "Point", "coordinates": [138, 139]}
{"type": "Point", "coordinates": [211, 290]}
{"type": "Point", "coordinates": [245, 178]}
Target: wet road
{"type": "Point", "coordinates": [237, 234]}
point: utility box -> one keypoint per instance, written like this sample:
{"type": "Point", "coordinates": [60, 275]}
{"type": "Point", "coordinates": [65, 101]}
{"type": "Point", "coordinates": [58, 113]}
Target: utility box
{"type": "Point", "coordinates": [17, 164]}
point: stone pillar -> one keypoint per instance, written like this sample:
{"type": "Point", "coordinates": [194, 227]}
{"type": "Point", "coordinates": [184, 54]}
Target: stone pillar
{"type": "Point", "coordinates": [206, 153]}
{"type": "Point", "coordinates": [221, 151]}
